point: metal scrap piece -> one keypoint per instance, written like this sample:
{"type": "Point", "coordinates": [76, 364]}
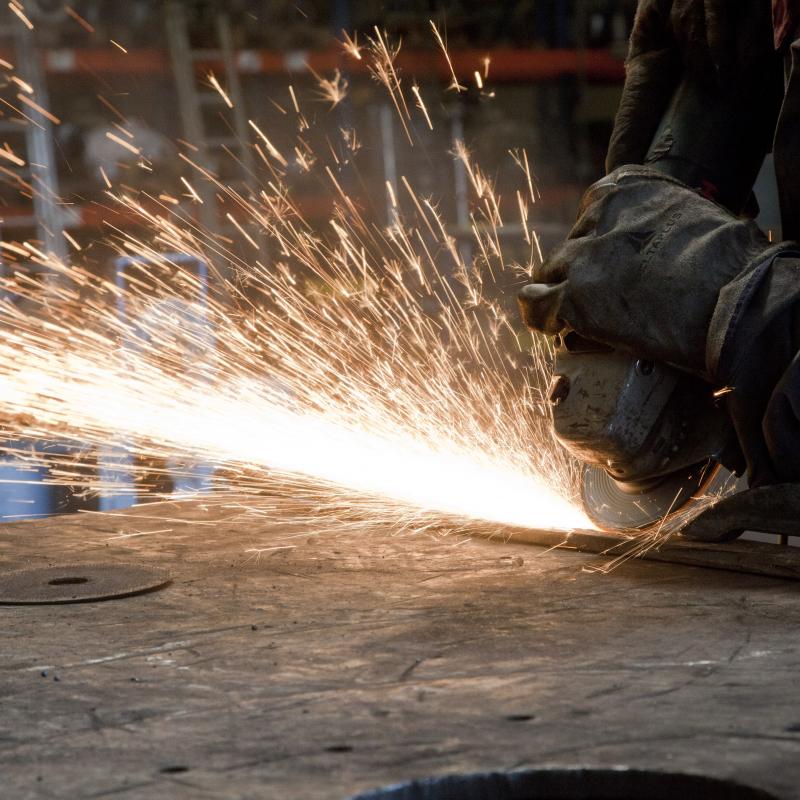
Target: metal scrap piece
{"type": "Point", "coordinates": [78, 583]}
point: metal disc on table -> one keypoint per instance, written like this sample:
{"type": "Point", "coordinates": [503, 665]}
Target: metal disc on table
{"type": "Point", "coordinates": [616, 506]}
{"type": "Point", "coordinates": [78, 583]}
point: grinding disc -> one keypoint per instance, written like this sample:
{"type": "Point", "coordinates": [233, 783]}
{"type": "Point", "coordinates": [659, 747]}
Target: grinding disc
{"type": "Point", "coordinates": [78, 583]}
{"type": "Point", "coordinates": [612, 506]}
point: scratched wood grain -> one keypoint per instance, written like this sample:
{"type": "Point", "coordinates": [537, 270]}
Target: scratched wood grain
{"type": "Point", "coordinates": [359, 660]}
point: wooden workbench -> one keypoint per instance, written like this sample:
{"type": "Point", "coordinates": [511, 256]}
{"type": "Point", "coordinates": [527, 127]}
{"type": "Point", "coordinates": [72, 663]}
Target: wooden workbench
{"type": "Point", "coordinates": [356, 661]}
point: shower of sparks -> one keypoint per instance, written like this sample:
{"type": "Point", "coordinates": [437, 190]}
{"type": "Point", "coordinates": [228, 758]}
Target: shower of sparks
{"type": "Point", "coordinates": [122, 130]}
{"type": "Point", "coordinates": [24, 85]}
{"type": "Point", "coordinates": [122, 143]}
{"type": "Point", "coordinates": [358, 375]}
{"type": "Point", "coordinates": [36, 107]}
{"type": "Point", "coordinates": [332, 90]}
{"type": "Point", "coordinates": [192, 192]}
{"type": "Point", "coordinates": [72, 241]}
{"type": "Point", "coordinates": [454, 84]}
{"type": "Point", "coordinates": [7, 153]}
{"type": "Point", "coordinates": [271, 149]}
{"type": "Point", "coordinates": [215, 84]}
{"type": "Point", "coordinates": [421, 106]}
{"type": "Point", "coordinates": [350, 45]}
{"type": "Point", "coordinates": [79, 19]}
{"type": "Point", "coordinates": [381, 65]}
{"type": "Point", "coordinates": [295, 104]}
{"type": "Point", "coordinates": [521, 160]}
{"type": "Point", "coordinates": [18, 9]}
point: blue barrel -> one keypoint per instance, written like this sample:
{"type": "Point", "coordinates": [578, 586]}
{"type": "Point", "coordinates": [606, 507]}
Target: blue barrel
{"type": "Point", "coordinates": [25, 492]}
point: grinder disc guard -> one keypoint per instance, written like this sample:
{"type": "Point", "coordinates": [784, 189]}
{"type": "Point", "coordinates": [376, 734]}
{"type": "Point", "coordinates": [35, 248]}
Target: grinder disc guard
{"type": "Point", "coordinates": [615, 506]}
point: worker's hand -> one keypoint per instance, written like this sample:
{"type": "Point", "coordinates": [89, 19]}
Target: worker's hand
{"type": "Point", "coordinates": [727, 43]}
{"type": "Point", "coordinates": [642, 268]}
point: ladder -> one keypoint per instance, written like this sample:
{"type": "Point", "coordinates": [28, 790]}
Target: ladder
{"type": "Point", "coordinates": [202, 109]}
{"type": "Point", "coordinates": [34, 143]}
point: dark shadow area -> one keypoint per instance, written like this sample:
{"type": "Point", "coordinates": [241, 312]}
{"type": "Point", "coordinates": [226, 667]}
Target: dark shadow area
{"type": "Point", "coordinates": [569, 784]}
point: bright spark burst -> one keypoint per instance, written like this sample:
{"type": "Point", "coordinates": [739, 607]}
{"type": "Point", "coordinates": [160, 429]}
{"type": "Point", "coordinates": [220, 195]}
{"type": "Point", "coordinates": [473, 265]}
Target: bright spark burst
{"type": "Point", "coordinates": [332, 90]}
{"type": "Point", "coordinates": [421, 106]}
{"type": "Point", "coordinates": [19, 10]}
{"type": "Point", "coordinates": [355, 373]}
{"type": "Point", "coordinates": [350, 45]}
{"type": "Point", "coordinates": [454, 84]}
{"type": "Point", "coordinates": [381, 65]}
{"type": "Point", "coordinates": [217, 86]}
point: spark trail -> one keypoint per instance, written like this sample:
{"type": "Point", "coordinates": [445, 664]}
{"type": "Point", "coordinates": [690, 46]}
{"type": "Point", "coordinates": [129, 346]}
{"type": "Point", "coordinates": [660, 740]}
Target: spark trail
{"type": "Point", "coordinates": [362, 370]}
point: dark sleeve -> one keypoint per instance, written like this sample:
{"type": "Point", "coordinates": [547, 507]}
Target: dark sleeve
{"type": "Point", "coordinates": [754, 349]}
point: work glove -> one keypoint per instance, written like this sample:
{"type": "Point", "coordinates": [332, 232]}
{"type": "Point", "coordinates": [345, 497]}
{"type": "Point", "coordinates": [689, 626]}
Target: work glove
{"type": "Point", "coordinates": [725, 42]}
{"type": "Point", "coordinates": [642, 269]}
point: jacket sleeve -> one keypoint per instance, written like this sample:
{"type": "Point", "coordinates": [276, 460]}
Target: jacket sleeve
{"type": "Point", "coordinates": [754, 351]}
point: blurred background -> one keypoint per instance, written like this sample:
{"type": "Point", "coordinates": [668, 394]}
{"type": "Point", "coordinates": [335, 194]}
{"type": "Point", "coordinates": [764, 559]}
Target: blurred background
{"type": "Point", "coordinates": [127, 87]}
{"type": "Point", "coordinates": [553, 81]}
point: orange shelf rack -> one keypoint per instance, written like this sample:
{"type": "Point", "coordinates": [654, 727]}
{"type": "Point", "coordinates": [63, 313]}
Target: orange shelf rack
{"type": "Point", "coordinates": [505, 65]}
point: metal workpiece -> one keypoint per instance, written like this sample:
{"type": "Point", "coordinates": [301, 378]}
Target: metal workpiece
{"type": "Point", "coordinates": [767, 509]}
{"type": "Point", "coordinates": [666, 546]}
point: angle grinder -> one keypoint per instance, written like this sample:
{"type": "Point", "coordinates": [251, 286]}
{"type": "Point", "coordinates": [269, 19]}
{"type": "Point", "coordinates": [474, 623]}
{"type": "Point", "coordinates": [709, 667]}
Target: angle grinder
{"type": "Point", "coordinates": [653, 438]}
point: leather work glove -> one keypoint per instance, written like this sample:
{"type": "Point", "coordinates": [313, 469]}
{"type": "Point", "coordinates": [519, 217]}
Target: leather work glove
{"type": "Point", "coordinates": [725, 42]}
{"type": "Point", "coordinates": [642, 269]}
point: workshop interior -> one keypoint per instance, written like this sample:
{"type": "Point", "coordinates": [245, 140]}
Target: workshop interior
{"type": "Point", "coordinates": [400, 399]}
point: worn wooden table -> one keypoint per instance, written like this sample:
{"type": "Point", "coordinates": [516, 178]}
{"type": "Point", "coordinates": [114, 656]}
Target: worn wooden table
{"type": "Point", "coordinates": [356, 661]}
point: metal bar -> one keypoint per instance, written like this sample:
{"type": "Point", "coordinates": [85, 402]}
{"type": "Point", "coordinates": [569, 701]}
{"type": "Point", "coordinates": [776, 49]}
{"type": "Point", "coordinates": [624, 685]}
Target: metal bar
{"type": "Point", "coordinates": [41, 154]}
{"type": "Point", "coordinates": [389, 156]}
{"type": "Point", "coordinates": [461, 181]}
{"type": "Point", "coordinates": [753, 558]}
{"type": "Point", "coordinates": [239, 115]}
{"type": "Point", "coordinates": [189, 107]}
{"type": "Point", "coordinates": [235, 90]}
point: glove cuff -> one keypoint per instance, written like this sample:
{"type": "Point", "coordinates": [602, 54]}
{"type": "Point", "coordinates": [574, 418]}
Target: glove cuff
{"type": "Point", "coordinates": [634, 173]}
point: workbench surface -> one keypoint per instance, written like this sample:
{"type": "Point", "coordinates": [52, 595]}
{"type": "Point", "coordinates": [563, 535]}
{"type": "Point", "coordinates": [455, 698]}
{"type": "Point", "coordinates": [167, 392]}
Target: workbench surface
{"type": "Point", "coordinates": [358, 660]}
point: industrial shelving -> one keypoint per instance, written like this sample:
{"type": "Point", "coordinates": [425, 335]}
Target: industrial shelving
{"type": "Point", "coordinates": [506, 66]}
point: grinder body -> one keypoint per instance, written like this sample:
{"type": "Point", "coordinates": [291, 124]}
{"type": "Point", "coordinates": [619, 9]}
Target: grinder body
{"type": "Point", "coordinates": [651, 436]}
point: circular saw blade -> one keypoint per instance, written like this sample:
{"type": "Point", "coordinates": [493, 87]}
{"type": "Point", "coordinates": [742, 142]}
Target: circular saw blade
{"type": "Point", "coordinates": [617, 506]}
